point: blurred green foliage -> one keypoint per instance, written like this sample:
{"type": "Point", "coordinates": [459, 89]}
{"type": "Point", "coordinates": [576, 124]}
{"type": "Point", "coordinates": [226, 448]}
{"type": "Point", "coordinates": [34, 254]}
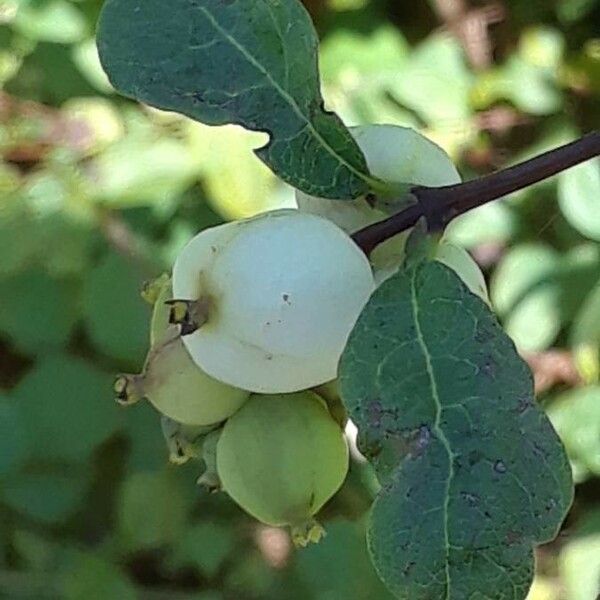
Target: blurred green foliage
{"type": "Point", "coordinates": [97, 194]}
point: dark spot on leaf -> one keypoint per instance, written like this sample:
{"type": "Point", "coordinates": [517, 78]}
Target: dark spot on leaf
{"type": "Point", "coordinates": [371, 199]}
{"type": "Point", "coordinates": [471, 499]}
{"type": "Point", "coordinates": [523, 404]}
{"type": "Point", "coordinates": [420, 441]}
{"type": "Point", "coordinates": [489, 366]}
{"type": "Point", "coordinates": [499, 467]}
{"type": "Point", "coordinates": [512, 537]}
{"type": "Point", "coordinates": [474, 457]}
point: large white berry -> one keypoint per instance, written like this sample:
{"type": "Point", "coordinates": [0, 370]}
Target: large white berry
{"type": "Point", "coordinates": [279, 294]}
{"type": "Point", "coordinates": [393, 154]}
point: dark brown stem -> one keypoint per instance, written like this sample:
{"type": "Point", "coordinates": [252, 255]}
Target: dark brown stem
{"type": "Point", "coordinates": [440, 205]}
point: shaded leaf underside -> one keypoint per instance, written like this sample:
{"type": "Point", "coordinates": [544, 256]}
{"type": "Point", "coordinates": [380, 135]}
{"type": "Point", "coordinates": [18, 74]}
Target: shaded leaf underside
{"type": "Point", "coordinates": [472, 473]}
{"type": "Point", "coordinates": [250, 63]}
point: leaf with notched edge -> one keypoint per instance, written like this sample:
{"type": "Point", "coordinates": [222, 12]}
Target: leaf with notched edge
{"type": "Point", "coordinates": [473, 475]}
{"type": "Point", "coordinates": [235, 61]}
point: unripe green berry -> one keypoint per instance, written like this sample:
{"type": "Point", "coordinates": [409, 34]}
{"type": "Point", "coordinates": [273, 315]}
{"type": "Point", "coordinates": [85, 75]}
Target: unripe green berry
{"type": "Point", "coordinates": [281, 457]}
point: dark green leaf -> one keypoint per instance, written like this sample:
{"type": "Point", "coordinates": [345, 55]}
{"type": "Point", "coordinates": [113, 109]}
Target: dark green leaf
{"type": "Point", "coordinates": [473, 474]}
{"type": "Point", "coordinates": [250, 63]}
{"type": "Point", "coordinates": [205, 546]}
{"type": "Point", "coordinates": [38, 312]}
{"type": "Point", "coordinates": [147, 449]}
{"type": "Point", "coordinates": [116, 316]}
{"type": "Point", "coordinates": [46, 497]}
{"type": "Point", "coordinates": [344, 544]}
{"type": "Point", "coordinates": [13, 441]}
{"type": "Point", "coordinates": [67, 408]}
{"type": "Point", "coordinates": [153, 508]}
{"type": "Point", "coordinates": [94, 578]}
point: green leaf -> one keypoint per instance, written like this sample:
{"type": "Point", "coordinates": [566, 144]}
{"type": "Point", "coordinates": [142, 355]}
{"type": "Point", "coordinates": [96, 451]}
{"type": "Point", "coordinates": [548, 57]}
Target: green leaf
{"type": "Point", "coordinates": [116, 317]}
{"type": "Point", "coordinates": [51, 21]}
{"type": "Point", "coordinates": [91, 577]}
{"type": "Point", "coordinates": [578, 193]}
{"type": "Point", "coordinates": [13, 441]}
{"type": "Point", "coordinates": [147, 450]}
{"type": "Point", "coordinates": [238, 184]}
{"type": "Point", "coordinates": [254, 64]}
{"type": "Point", "coordinates": [436, 83]}
{"type": "Point", "coordinates": [525, 293]}
{"type": "Point", "coordinates": [152, 511]}
{"type": "Point", "coordinates": [46, 497]}
{"type": "Point", "coordinates": [576, 417]}
{"type": "Point", "coordinates": [38, 312]}
{"type": "Point", "coordinates": [142, 169]}
{"type": "Point", "coordinates": [67, 408]}
{"type": "Point", "coordinates": [487, 224]}
{"type": "Point", "coordinates": [206, 546]}
{"type": "Point", "coordinates": [579, 563]}
{"type": "Point", "coordinates": [472, 473]}
{"type": "Point", "coordinates": [345, 545]}
{"type": "Point", "coordinates": [585, 336]}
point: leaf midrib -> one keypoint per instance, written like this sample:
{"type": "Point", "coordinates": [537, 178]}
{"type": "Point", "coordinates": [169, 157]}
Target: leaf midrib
{"type": "Point", "coordinates": [436, 425]}
{"type": "Point", "coordinates": [290, 100]}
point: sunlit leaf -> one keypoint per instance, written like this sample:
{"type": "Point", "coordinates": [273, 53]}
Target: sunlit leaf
{"type": "Point", "coordinates": [576, 417]}
{"type": "Point", "coordinates": [585, 335]}
{"type": "Point", "coordinates": [578, 193]}
{"type": "Point", "coordinates": [580, 561]}
{"type": "Point", "coordinates": [143, 169]}
{"type": "Point", "coordinates": [436, 83]}
{"type": "Point", "coordinates": [524, 291]}
{"type": "Point", "coordinates": [51, 21]}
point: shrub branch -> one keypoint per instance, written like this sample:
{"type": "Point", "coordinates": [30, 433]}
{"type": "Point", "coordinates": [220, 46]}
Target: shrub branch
{"type": "Point", "coordinates": [439, 205]}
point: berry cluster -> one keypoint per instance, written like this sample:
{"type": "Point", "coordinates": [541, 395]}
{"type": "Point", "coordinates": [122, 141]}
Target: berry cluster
{"type": "Point", "coordinates": [248, 331]}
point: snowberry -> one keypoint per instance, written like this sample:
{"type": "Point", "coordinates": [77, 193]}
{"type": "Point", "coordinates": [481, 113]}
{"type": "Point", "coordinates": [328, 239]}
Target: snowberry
{"type": "Point", "coordinates": [281, 457]}
{"type": "Point", "coordinates": [271, 299]}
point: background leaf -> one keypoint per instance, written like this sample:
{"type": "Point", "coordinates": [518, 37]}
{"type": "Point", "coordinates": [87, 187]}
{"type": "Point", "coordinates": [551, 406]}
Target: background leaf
{"type": "Point", "coordinates": [66, 408]}
{"type": "Point", "coordinates": [13, 440]}
{"type": "Point", "coordinates": [117, 318]}
{"type": "Point", "coordinates": [152, 510]}
{"type": "Point", "coordinates": [38, 312]}
{"type": "Point", "coordinates": [430, 378]}
{"type": "Point", "coordinates": [576, 417]}
{"type": "Point", "coordinates": [577, 190]}
{"type": "Point", "coordinates": [46, 497]}
{"type": "Point", "coordinates": [524, 293]}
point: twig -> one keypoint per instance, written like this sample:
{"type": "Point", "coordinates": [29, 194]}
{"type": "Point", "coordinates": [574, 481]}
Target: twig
{"type": "Point", "coordinates": [471, 27]}
{"type": "Point", "coordinates": [440, 205]}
